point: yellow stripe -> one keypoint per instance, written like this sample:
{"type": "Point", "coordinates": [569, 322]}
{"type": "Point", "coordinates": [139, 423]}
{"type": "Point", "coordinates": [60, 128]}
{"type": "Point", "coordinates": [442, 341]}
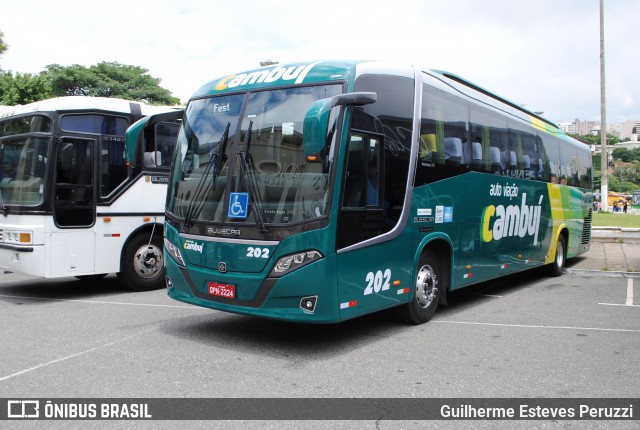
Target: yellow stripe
{"type": "Point", "coordinates": [537, 123]}
{"type": "Point", "coordinates": [557, 215]}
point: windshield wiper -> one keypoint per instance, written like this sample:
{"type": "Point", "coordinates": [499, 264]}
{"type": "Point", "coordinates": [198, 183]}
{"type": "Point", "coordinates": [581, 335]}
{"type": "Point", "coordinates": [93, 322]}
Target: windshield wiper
{"type": "Point", "coordinates": [213, 165]}
{"type": "Point", "coordinates": [247, 171]}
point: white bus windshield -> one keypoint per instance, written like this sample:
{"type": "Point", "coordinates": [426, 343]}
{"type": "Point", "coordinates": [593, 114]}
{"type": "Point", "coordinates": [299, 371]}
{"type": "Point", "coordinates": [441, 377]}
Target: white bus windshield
{"type": "Point", "coordinates": [23, 160]}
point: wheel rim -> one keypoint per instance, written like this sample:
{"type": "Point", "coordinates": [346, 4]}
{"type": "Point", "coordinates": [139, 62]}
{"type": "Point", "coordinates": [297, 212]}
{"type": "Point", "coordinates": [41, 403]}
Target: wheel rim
{"type": "Point", "coordinates": [426, 286]}
{"type": "Point", "coordinates": [148, 261]}
{"type": "Point", "coordinates": [560, 254]}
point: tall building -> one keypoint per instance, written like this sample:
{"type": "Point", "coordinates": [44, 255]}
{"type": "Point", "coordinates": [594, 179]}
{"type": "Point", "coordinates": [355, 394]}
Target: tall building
{"type": "Point", "coordinates": [567, 127]}
{"type": "Point", "coordinates": [630, 129]}
{"type": "Point", "coordinates": [585, 128]}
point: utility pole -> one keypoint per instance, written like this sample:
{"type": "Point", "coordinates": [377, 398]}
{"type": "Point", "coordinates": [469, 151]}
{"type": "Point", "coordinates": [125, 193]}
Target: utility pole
{"type": "Point", "coordinates": [604, 156]}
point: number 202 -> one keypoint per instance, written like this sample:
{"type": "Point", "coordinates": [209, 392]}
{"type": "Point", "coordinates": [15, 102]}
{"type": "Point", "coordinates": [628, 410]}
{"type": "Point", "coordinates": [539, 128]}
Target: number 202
{"type": "Point", "coordinates": [257, 252]}
{"type": "Point", "coordinates": [378, 281]}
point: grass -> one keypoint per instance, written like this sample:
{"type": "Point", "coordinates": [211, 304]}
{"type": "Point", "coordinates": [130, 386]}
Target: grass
{"type": "Point", "coordinates": [604, 219]}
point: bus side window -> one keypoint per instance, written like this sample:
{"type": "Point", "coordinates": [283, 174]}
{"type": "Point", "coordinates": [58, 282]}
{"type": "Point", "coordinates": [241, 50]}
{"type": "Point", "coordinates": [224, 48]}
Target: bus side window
{"type": "Point", "coordinates": [444, 147]}
{"type": "Point", "coordinates": [477, 161]}
{"type": "Point", "coordinates": [543, 161]}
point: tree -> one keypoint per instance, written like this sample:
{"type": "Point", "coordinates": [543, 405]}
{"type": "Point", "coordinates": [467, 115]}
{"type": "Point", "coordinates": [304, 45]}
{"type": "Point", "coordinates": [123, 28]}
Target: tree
{"type": "Point", "coordinates": [621, 186]}
{"type": "Point", "coordinates": [3, 46]}
{"type": "Point", "coordinates": [595, 140]}
{"type": "Point", "coordinates": [108, 79]}
{"type": "Point", "coordinates": [23, 88]}
{"type": "Point", "coordinates": [622, 154]}
{"type": "Point", "coordinates": [625, 172]}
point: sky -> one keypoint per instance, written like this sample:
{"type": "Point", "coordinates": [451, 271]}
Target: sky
{"type": "Point", "coordinates": [543, 54]}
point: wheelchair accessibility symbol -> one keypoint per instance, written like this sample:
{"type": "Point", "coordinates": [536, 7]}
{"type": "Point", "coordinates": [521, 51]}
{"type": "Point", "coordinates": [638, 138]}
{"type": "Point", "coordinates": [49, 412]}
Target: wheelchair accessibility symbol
{"type": "Point", "coordinates": [238, 203]}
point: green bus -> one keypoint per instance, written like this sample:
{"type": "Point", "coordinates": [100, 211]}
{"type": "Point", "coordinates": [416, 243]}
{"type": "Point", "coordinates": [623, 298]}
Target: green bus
{"type": "Point", "coordinates": [322, 191]}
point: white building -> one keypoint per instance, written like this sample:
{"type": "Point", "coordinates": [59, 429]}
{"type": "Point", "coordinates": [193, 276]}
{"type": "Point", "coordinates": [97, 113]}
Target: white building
{"type": "Point", "coordinates": [630, 129]}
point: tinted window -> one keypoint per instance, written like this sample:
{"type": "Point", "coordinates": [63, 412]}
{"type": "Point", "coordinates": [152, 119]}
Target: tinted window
{"type": "Point", "coordinates": [553, 152]}
{"type": "Point", "coordinates": [568, 164]}
{"type": "Point", "coordinates": [97, 124]}
{"type": "Point", "coordinates": [584, 168]}
{"type": "Point", "coordinates": [25, 124]}
{"type": "Point", "coordinates": [391, 116]}
{"type": "Point", "coordinates": [377, 165]}
{"type": "Point", "coordinates": [444, 148]}
{"type": "Point", "coordinates": [489, 134]}
{"type": "Point", "coordinates": [160, 143]}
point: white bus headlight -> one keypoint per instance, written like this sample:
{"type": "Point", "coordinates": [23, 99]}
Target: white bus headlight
{"type": "Point", "coordinates": [291, 262]}
{"type": "Point", "coordinates": [174, 252]}
{"type": "Point", "coordinates": [19, 237]}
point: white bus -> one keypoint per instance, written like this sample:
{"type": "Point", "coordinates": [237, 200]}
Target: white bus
{"type": "Point", "coordinates": [74, 201]}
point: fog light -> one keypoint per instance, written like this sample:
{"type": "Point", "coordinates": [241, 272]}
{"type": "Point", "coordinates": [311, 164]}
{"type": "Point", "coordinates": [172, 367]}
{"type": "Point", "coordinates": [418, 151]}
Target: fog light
{"type": "Point", "coordinates": [168, 281]}
{"type": "Point", "coordinates": [308, 304]}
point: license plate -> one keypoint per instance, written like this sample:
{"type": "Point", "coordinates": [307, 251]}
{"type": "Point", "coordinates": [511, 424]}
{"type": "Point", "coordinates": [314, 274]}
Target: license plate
{"type": "Point", "coordinates": [222, 290]}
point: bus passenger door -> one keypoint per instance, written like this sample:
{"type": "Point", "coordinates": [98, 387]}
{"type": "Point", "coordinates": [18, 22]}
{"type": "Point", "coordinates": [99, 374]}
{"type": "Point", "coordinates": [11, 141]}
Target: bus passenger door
{"type": "Point", "coordinates": [74, 189]}
{"type": "Point", "coordinates": [369, 276]}
{"type": "Point", "coordinates": [361, 214]}
{"type": "Point", "coordinates": [74, 208]}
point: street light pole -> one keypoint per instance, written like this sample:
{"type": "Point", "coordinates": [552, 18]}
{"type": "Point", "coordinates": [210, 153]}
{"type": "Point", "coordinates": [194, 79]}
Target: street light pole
{"type": "Point", "coordinates": [604, 156]}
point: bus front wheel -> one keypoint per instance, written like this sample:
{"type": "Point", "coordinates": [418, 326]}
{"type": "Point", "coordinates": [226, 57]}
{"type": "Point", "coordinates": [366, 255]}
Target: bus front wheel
{"type": "Point", "coordinates": [557, 267]}
{"type": "Point", "coordinates": [142, 264]}
{"type": "Point", "coordinates": [426, 290]}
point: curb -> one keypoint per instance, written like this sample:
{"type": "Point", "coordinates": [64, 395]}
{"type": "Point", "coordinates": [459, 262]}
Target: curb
{"type": "Point", "coordinates": [615, 234]}
{"type": "Point", "coordinates": [602, 273]}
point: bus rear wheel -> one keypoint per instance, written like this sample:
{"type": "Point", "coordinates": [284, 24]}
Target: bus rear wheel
{"type": "Point", "coordinates": [426, 291]}
{"type": "Point", "coordinates": [142, 263]}
{"type": "Point", "coordinates": [557, 267]}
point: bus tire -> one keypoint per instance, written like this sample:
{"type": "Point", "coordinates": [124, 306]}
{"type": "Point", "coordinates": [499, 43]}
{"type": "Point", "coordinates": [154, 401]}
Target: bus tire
{"type": "Point", "coordinates": [556, 268]}
{"type": "Point", "coordinates": [426, 290]}
{"type": "Point", "coordinates": [142, 263]}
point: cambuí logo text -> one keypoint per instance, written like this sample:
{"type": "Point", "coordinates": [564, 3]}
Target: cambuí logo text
{"type": "Point", "coordinates": [284, 73]}
{"type": "Point", "coordinates": [511, 220]}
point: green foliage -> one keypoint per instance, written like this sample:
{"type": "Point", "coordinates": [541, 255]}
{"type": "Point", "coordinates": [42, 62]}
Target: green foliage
{"type": "Point", "coordinates": [597, 179]}
{"type": "Point", "coordinates": [23, 88]}
{"type": "Point", "coordinates": [618, 186]}
{"type": "Point", "coordinates": [623, 175]}
{"type": "Point", "coordinates": [108, 79]}
{"type": "Point", "coordinates": [595, 140]}
{"type": "Point", "coordinates": [3, 45]}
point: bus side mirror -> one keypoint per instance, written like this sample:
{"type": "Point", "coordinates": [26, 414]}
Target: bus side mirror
{"type": "Point", "coordinates": [316, 120]}
{"type": "Point", "coordinates": [133, 136]}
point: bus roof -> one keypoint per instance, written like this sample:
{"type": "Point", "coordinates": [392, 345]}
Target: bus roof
{"type": "Point", "coordinates": [82, 103]}
{"type": "Point", "coordinates": [279, 75]}
{"type": "Point", "coordinates": [347, 70]}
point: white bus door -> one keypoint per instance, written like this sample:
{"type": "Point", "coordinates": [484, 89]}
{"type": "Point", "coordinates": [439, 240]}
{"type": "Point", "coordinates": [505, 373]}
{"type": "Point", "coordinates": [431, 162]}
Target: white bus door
{"type": "Point", "coordinates": [74, 209]}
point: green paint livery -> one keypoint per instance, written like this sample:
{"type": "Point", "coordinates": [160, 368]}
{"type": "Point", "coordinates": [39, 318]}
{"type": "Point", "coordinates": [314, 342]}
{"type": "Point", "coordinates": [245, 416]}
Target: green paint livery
{"type": "Point", "coordinates": [369, 186]}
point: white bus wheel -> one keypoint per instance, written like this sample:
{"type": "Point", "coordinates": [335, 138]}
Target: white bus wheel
{"type": "Point", "coordinates": [142, 263]}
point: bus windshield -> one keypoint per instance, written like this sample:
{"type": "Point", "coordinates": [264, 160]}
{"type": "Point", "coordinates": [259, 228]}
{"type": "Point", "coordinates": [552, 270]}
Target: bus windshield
{"type": "Point", "coordinates": [239, 158]}
{"type": "Point", "coordinates": [24, 161]}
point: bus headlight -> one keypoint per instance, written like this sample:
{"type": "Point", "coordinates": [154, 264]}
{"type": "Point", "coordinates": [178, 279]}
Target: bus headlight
{"type": "Point", "coordinates": [19, 237]}
{"type": "Point", "coordinates": [174, 252]}
{"type": "Point", "coordinates": [291, 262]}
